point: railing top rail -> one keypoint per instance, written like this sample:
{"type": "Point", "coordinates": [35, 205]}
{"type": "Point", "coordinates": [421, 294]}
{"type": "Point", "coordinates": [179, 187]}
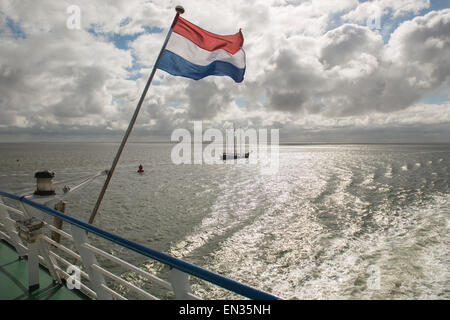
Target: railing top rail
{"type": "Point", "coordinates": [189, 268]}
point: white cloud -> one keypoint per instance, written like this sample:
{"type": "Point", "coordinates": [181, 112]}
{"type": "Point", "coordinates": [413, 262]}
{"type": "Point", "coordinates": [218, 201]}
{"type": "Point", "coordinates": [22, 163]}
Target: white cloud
{"type": "Point", "coordinates": [302, 69]}
{"type": "Point", "coordinates": [370, 9]}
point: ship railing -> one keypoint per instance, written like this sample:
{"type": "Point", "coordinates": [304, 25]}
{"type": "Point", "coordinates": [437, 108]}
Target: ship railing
{"type": "Point", "coordinates": [73, 256]}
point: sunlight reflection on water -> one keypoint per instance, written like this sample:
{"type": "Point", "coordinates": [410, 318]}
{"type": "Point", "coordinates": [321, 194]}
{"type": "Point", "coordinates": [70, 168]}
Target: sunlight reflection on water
{"type": "Point", "coordinates": [312, 231]}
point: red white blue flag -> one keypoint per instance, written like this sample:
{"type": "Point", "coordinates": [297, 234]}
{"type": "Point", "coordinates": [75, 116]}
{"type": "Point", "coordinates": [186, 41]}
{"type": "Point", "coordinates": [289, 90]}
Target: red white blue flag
{"type": "Point", "coordinates": [196, 53]}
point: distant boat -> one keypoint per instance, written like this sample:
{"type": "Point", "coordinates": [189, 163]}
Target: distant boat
{"type": "Point", "coordinates": [228, 156]}
{"type": "Point", "coordinates": [140, 169]}
{"type": "Point", "coordinates": [234, 155]}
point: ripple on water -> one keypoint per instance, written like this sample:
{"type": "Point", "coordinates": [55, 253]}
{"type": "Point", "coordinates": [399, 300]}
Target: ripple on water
{"type": "Point", "coordinates": [326, 225]}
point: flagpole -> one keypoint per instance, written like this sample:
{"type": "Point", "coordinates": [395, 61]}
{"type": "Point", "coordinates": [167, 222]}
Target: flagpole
{"type": "Point", "coordinates": [179, 10]}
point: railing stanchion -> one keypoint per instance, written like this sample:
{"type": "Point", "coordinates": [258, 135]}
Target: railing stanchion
{"type": "Point", "coordinates": [180, 284]}
{"type": "Point", "coordinates": [9, 227]}
{"type": "Point", "coordinates": [180, 269]}
{"type": "Point", "coordinates": [88, 259]}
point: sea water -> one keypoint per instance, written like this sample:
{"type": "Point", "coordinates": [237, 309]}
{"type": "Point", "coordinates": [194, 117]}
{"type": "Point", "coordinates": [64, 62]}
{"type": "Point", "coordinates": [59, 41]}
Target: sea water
{"type": "Point", "coordinates": [333, 222]}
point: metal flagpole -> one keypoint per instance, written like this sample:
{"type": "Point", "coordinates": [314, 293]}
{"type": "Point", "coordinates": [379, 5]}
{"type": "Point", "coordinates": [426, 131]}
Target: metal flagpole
{"type": "Point", "coordinates": [179, 10]}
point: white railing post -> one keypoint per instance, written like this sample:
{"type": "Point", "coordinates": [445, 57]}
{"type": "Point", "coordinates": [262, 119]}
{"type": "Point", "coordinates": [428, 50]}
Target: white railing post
{"type": "Point", "coordinates": [30, 230]}
{"type": "Point", "coordinates": [180, 284]}
{"type": "Point", "coordinates": [9, 228]}
{"type": "Point", "coordinates": [88, 259]}
{"type": "Point", "coordinates": [51, 263]}
{"type": "Point", "coordinates": [33, 266]}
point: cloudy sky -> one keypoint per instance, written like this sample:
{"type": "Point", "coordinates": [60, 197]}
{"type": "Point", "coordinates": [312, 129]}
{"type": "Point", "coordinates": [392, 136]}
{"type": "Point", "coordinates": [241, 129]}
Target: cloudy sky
{"type": "Point", "coordinates": [320, 71]}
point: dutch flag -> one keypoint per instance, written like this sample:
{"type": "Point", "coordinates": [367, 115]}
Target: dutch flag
{"type": "Point", "coordinates": [196, 53]}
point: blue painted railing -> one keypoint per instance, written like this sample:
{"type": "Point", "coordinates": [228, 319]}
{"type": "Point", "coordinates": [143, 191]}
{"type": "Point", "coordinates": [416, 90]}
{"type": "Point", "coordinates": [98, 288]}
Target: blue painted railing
{"type": "Point", "coordinates": [214, 278]}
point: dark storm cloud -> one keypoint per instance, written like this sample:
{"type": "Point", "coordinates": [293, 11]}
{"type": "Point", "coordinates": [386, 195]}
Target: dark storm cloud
{"type": "Point", "coordinates": [346, 43]}
{"type": "Point", "coordinates": [357, 74]}
{"type": "Point", "coordinates": [205, 100]}
{"type": "Point", "coordinates": [290, 83]}
{"type": "Point", "coordinates": [85, 95]}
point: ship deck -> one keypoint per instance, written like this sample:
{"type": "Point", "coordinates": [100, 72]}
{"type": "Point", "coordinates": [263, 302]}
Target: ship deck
{"type": "Point", "coordinates": [14, 280]}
